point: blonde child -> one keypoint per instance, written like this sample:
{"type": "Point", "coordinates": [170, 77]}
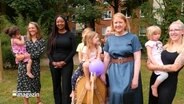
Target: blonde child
{"type": "Point", "coordinates": [91, 51]}
{"type": "Point", "coordinates": [108, 32]}
{"type": "Point", "coordinates": [154, 48]}
{"type": "Point", "coordinates": [19, 47]}
{"type": "Point", "coordinates": [79, 71]}
{"type": "Point", "coordinates": [81, 45]}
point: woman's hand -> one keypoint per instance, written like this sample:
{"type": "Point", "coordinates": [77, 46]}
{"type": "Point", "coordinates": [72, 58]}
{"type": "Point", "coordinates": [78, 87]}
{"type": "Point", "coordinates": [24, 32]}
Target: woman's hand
{"type": "Point", "coordinates": [134, 84]}
{"type": "Point", "coordinates": [54, 64]}
{"type": "Point", "coordinates": [59, 64]}
{"type": "Point", "coordinates": [150, 65]}
{"type": "Point", "coordinates": [103, 78]}
{"type": "Point", "coordinates": [19, 57]}
{"type": "Point", "coordinates": [26, 55]}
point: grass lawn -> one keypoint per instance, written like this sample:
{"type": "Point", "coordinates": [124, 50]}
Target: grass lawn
{"type": "Point", "coordinates": [10, 78]}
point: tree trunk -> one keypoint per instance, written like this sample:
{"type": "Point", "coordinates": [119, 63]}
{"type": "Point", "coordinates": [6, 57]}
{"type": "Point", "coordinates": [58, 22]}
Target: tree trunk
{"type": "Point", "coordinates": [2, 7]}
{"type": "Point", "coordinates": [116, 6]}
{"type": "Point", "coordinates": [1, 64]}
{"type": "Point", "coordinates": [92, 24]}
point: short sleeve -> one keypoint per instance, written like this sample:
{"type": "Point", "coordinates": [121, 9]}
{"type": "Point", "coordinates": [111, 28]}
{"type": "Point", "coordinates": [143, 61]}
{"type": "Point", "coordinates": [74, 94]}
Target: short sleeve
{"type": "Point", "coordinates": [136, 45]}
{"type": "Point", "coordinates": [80, 47]}
{"type": "Point", "coordinates": [100, 49]}
{"type": "Point", "coordinates": [84, 50]}
{"type": "Point", "coordinates": [106, 45]}
{"type": "Point", "coordinates": [149, 43]}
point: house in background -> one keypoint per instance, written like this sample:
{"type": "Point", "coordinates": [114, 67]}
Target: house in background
{"type": "Point", "coordinates": [106, 19]}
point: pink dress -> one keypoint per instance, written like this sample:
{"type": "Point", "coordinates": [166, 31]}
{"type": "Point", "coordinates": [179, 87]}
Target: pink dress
{"type": "Point", "coordinates": [19, 49]}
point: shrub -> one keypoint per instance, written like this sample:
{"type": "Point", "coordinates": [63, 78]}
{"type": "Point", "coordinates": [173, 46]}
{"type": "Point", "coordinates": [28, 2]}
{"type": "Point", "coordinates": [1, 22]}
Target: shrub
{"type": "Point", "coordinates": [8, 58]}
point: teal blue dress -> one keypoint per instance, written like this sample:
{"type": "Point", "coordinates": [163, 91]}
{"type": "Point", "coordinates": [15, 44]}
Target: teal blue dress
{"type": "Point", "coordinates": [120, 75]}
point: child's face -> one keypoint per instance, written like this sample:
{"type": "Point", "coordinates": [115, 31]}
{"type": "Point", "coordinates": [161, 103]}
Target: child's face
{"type": "Point", "coordinates": [108, 31]}
{"type": "Point", "coordinates": [156, 36]}
{"type": "Point", "coordinates": [96, 39]}
{"type": "Point", "coordinates": [17, 35]}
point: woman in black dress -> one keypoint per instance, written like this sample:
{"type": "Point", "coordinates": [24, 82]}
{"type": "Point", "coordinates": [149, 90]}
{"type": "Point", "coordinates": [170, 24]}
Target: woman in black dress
{"type": "Point", "coordinates": [167, 89]}
{"type": "Point", "coordinates": [35, 45]}
{"type": "Point", "coordinates": [61, 49]}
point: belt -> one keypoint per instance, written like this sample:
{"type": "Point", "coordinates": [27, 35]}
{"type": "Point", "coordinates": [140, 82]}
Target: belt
{"type": "Point", "coordinates": [122, 60]}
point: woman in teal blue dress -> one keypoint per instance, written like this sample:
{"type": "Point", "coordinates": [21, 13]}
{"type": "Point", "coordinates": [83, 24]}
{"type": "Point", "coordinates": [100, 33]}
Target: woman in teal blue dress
{"type": "Point", "coordinates": [122, 59]}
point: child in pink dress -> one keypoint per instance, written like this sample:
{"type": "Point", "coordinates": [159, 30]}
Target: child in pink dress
{"type": "Point", "coordinates": [19, 47]}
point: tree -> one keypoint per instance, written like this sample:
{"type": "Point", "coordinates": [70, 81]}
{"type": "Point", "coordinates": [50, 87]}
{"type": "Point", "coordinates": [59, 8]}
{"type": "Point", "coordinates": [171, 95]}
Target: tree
{"type": "Point", "coordinates": [42, 11]}
{"type": "Point", "coordinates": [115, 4]}
{"type": "Point", "coordinates": [125, 4]}
{"type": "Point", "coordinates": [168, 11]}
{"type": "Point", "coordinates": [1, 62]}
{"type": "Point", "coordinates": [88, 11]}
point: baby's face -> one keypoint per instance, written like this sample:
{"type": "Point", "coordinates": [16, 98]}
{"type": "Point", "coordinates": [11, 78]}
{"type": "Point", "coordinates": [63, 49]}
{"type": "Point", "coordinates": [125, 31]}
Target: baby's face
{"type": "Point", "coordinates": [17, 35]}
{"type": "Point", "coordinates": [108, 31]}
{"type": "Point", "coordinates": [156, 36]}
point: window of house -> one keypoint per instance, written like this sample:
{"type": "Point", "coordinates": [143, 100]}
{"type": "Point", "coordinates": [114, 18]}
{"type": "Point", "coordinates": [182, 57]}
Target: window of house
{"type": "Point", "coordinates": [103, 30]}
{"type": "Point", "coordinates": [142, 31]}
{"type": "Point", "coordinates": [141, 14]}
{"type": "Point", "coordinates": [73, 18]}
{"type": "Point", "coordinates": [107, 15]}
{"type": "Point", "coordinates": [127, 13]}
{"type": "Point", "coordinates": [79, 26]}
{"type": "Point", "coordinates": [126, 9]}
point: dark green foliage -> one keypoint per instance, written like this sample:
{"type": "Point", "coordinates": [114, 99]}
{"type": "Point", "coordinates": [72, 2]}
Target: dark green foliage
{"type": "Point", "coordinates": [172, 12]}
{"type": "Point", "coordinates": [143, 40]}
{"type": "Point", "coordinates": [87, 12]}
{"type": "Point", "coordinates": [8, 58]}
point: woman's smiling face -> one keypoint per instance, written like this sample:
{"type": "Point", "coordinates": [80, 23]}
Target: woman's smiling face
{"type": "Point", "coordinates": [175, 33]}
{"type": "Point", "coordinates": [32, 29]}
{"type": "Point", "coordinates": [119, 25]}
{"type": "Point", "coordinates": [60, 23]}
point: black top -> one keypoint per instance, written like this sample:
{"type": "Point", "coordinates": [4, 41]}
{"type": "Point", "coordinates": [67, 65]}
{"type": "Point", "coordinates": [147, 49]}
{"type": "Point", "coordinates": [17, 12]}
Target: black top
{"type": "Point", "coordinates": [65, 48]}
{"type": "Point", "coordinates": [167, 89]}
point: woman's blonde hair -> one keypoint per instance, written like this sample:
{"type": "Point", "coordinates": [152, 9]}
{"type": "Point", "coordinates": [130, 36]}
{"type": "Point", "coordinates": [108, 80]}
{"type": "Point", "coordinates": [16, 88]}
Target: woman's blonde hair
{"type": "Point", "coordinates": [38, 34]}
{"type": "Point", "coordinates": [151, 30]}
{"type": "Point", "coordinates": [122, 16]}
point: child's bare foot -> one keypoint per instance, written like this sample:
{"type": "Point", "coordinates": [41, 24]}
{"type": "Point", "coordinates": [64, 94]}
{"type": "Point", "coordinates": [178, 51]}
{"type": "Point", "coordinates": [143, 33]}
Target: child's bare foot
{"type": "Point", "coordinates": [72, 95]}
{"type": "Point", "coordinates": [30, 75]}
{"type": "Point", "coordinates": [154, 91]}
{"type": "Point", "coordinates": [87, 85]}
